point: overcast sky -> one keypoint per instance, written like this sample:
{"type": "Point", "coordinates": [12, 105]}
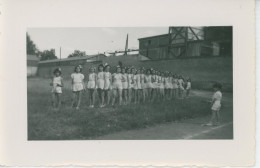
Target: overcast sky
{"type": "Point", "coordinates": [91, 40]}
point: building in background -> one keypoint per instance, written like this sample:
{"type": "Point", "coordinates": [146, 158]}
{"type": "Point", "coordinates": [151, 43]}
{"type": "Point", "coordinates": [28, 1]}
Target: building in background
{"type": "Point", "coordinates": [32, 65]}
{"type": "Point", "coordinates": [186, 42]}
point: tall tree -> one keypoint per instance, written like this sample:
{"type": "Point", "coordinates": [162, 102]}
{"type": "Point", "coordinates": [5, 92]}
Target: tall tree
{"type": "Point", "coordinates": [77, 53]}
{"type": "Point", "coordinates": [31, 47]}
{"type": "Point", "coordinates": [48, 55]}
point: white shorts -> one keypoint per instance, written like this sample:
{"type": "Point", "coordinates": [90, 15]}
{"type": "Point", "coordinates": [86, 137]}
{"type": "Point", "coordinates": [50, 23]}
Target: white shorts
{"type": "Point", "coordinates": [56, 89]}
{"type": "Point", "coordinates": [216, 106]}
{"type": "Point", "coordinates": [107, 85]}
{"type": "Point", "coordinates": [124, 85]}
{"type": "Point", "coordinates": [100, 84]}
{"type": "Point", "coordinates": [143, 85]}
{"type": "Point", "coordinates": [167, 86]}
{"type": "Point", "coordinates": [138, 86]}
{"type": "Point", "coordinates": [77, 87]}
{"type": "Point", "coordinates": [117, 85]}
{"type": "Point", "coordinates": [174, 86]}
{"type": "Point", "coordinates": [149, 85]}
{"type": "Point", "coordinates": [161, 86]}
{"type": "Point", "coordinates": [91, 85]}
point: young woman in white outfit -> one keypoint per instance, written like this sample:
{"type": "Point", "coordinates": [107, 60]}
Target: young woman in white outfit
{"type": "Point", "coordinates": [92, 79]}
{"type": "Point", "coordinates": [154, 85]}
{"type": "Point", "coordinates": [78, 85]}
{"type": "Point", "coordinates": [137, 86]}
{"type": "Point", "coordinates": [130, 85]}
{"type": "Point", "coordinates": [108, 84]}
{"type": "Point", "coordinates": [100, 85]}
{"type": "Point", "coordinates": [124, 86]}
{"type": "Point", "coordinates": [117, 85]}
{"type": "Point", "coordinates": [143, 85]}
{"type": "Point", "coordinates": [148, 82]}
{"type": "Point", "coordinates": [133, 84]}
{"type": "Point", "coordinates": [181, 87]}
{"type": "Point", "coordinates": [175, 86]}
{"type": "Point", "coordinates": [57, 84]}
{"type": "Point", "coordinates": [188, 87]}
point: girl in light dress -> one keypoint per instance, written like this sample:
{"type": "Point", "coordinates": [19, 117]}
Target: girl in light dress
{"type": "Point", "coordinates": [77, 81]}
{"type": "Point", "coordinates": [100, 85]}
{"type": "Point", "coordinates": [143, 85]}
{"type": "Point", "coordinates": [215, 105]}
{"type": "Point", "coordinates": [154, 85]}
{"type": "Point", "coordinates": [133, 84]}
{"type": "Point", "coordinates": [175, 86]}
{"type": "Point", "coordinates": [161, 84]}
{"type": "Point", "coordinates": [188, 88]}
{"type": "Point", "coordinates": [167, 85]}
{"type": "Point", "coordinates": [148, 82]}
{"type": "Point", "coordinates": [57, 84]}
{"type": "Point", "coordinates": [137, 86]}
{"type": "Point", "coordinates": [92, 79]}
{"type": "Point", "coordinates": [117, 85]}
{"type": "Point", "coordinates": [124, 86]}
{"type": "Point", "coordinates": [171, 85]}
{"type": "Point", "coordinates": [108, 85]}
{"type": "Point", "coordinates": [181, 87]}
{"type": "Point", "coordinates": [130, 85]}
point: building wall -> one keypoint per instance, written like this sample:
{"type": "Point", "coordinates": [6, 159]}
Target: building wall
{"type": "Point", "coordinates": [31, 71]}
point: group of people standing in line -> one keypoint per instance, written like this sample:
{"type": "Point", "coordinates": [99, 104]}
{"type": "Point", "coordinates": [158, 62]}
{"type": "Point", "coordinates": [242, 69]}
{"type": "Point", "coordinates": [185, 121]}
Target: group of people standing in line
{"type": "Point", "coordinates": [127, 85]}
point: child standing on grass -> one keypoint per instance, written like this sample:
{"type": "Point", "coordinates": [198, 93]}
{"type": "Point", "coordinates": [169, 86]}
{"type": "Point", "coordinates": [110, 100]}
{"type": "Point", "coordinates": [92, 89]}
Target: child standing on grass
{"type": "Point", "coordinates": [77, 86]}
{"type": "Point", "coordinates": [100, 85]}
{"type": "Point", "coordinates": [107, 87]}
{"type": "Point", "coordinates": [92, 77]}
{"type": "Point", "coordinates": [215, 105]}
{"type": "Point", "coordinates": [57, 84]}
{"type": "Point", "coordinates": [188, 87]}
{"type": "Point", "coordinates": [143, 85]}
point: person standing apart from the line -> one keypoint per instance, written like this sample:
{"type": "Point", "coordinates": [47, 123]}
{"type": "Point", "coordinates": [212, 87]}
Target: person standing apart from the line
{"type": "Point", "coordinates": [92, 79]}
{"type": "Point", "coordinates": [77, 86]}
{"type": "Point", "coordinates": [188, 88]}
{"type": "Point", "coordinates": [100, 85]}
{"type": "Point", "coordinates": [108, 86]}
{"type": "Point", "coordinates": [215, 105]}
{"type": "Point", "coordinates": [57, 84]}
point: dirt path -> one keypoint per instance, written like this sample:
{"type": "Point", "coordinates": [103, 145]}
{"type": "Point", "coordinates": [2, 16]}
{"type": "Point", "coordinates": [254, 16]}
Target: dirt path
{"type": "Point", "coordinates": [188, 129]}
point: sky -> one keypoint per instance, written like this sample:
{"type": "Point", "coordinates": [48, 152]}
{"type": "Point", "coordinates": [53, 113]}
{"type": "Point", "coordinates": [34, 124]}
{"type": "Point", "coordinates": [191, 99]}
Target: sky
{"type": "Point", "coordinates": [92, 40]}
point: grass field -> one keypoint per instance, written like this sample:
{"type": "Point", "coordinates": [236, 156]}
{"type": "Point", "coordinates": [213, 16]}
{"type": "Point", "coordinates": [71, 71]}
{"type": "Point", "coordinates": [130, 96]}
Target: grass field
{"type": "Point", "coordinates": [69, 124]}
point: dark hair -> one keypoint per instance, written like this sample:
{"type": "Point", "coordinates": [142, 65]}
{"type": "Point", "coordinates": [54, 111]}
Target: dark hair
{"type": "Point", "coordinates": [148, 70]}
{"type": "Point", "coordinates": [78, 66]}
{"type": "Point", "coordinates": [100, 66]}
{"type": "Point", "coordinates": [57, 70]}
{"type": "Point", "coordinates": [106, 66]}
{"type": "Point", "coordinates": [217, 86]}
{"type": "Point", "coordinates": [188, 80]}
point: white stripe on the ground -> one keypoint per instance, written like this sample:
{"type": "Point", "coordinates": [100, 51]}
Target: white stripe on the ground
{"type": "Point", "coordinates": [207, 131]}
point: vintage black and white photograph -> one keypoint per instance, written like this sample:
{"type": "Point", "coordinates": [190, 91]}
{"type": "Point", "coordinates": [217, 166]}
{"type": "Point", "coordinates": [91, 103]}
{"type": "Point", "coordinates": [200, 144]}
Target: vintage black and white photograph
{"type": "Point", "coordinates": [130, 83]}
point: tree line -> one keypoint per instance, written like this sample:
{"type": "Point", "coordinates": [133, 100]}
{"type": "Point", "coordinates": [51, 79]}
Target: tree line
{"type": "Point", "coordinates": [47, 54]}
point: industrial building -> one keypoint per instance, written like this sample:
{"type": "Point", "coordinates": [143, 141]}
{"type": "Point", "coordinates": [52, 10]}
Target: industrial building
{"type": "Point", "coordinates": [188, 42]}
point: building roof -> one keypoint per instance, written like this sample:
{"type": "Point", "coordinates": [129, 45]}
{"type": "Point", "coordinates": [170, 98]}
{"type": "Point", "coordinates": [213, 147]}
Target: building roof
{"type": "Point", "coordinates": [32, 57]}
{"type": "Point", "coordinates": [73, 58]}
{"type": "Point", "coordinates": [162, 35]}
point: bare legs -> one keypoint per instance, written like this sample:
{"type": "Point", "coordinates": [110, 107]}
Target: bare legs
{"type": "Point", "coordinates": [101, 97]}
{"type": "Point", "coordinates": [91, 98]}
{"type": "Point", "coordinates": [76, 99]}
{"type": "Point", "coordinates": [56, 97]}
